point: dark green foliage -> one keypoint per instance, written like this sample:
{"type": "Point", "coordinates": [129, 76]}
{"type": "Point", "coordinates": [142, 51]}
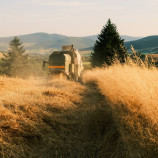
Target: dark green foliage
{"type": "Point", "coordinates": [138, 55]}
{"type": "Point", "coordinates": [144, 43]}
{"type": "Point", "coordinates": [147, 45]}
{"type": "Point", "coordinates": [108, 45]}
{"type": "Point", "coordinates": [15, 63]}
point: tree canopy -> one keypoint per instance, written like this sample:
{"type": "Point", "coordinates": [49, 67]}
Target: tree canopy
{"type": "Point", "coordinates": [108, 45]}
{"type": "Point", "coordinates": [15, 61]}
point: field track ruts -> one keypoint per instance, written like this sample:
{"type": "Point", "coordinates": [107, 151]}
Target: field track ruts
{"type": "Point", "coordinates": [54, 119]}
{"type": "Point", "coordinates": [86, 129]}
{"type": "Point", "coordinates": [94, 133]}
{"type": "Point", "coordinates": [64, 119]}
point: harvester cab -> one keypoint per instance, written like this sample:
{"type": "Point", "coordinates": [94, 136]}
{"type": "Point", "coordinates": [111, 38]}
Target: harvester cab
{"type": "Point", "coordinates": [67, 62]}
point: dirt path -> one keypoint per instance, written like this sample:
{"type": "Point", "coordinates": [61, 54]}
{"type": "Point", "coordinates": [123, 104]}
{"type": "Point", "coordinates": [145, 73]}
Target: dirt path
{"type": "Point", "coordinates": [86, 128]}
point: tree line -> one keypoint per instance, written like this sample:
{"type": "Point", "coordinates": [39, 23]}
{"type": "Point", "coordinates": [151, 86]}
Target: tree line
{"type": "Point", "coordinates": [16, 63]}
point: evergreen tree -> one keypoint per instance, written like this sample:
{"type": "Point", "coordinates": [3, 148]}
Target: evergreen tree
{"type": "Point", "coordinates": [107, 46]}
{"type": "Point", "coordinates": [15, 62]}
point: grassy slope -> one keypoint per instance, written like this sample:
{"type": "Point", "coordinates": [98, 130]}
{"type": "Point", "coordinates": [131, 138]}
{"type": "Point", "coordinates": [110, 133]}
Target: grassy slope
{"type": "Point", "coordinates": [147, 45]}
{"type": "Point", "coordinates": [43, 41]}
{"type": "Point", "coordinates": [147, 42]}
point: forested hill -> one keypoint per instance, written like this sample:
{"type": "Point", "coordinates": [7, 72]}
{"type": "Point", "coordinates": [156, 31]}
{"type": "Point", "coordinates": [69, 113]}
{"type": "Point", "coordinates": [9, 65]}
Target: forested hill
{"type": "Point", "coordinates": [147, 44]}
{"type": "Point", "coordinates": [125, 37]}
{"type": "Point", "coordinates": [43, 42]}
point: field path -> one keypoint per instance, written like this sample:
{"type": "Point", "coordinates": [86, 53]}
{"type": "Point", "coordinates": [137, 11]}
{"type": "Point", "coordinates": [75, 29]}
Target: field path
{"type": "Point", "coordinates": [92, 131]}
{"type": "Point", "coordinates": [64, 119]}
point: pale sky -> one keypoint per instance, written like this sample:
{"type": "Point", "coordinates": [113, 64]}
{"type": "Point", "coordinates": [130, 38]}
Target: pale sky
{"type": "Point", "coordinates": [78, 17]}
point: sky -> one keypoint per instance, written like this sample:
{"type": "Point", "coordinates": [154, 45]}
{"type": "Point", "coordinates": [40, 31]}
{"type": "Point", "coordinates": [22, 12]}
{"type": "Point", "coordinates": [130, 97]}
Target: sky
{"type": "Point", "coordinates": [78, 17]}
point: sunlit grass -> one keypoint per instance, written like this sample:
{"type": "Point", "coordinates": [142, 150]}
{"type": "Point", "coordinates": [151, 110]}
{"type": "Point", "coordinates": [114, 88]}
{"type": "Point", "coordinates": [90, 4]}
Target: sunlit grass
{"type": "Point", "coordinates": [31, 111]}
{"type": "Point", "coordinates": [133, 92]}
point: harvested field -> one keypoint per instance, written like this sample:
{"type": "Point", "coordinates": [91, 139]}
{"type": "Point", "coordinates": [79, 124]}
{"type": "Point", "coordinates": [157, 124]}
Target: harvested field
{"type": "Point", "coordinates": [56, 118]}
{"type": "Point", "coordinates": [113, 115]}
{"type": "Point", "coordinates": [35, 115]}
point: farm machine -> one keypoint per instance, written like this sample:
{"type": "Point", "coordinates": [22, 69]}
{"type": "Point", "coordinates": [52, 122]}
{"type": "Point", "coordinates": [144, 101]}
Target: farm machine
{"type": "Point", "coordinates": [66, 62]}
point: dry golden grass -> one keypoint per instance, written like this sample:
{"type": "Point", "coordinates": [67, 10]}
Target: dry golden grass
{"type": "Point", "coordinates": [115, 117]}
{"type": "Point", "coordinates": [133, 93]}
{"type": "Point", "coordinates": [33, 115]}
{"type": "Point", "coordinates": [153, 56]}
{"type": "Point", "coordinates": [1, 55]}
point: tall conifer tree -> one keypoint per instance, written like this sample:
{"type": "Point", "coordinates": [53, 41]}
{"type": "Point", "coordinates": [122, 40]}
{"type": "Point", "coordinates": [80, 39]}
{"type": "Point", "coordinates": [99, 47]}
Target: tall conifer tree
{"type": "Point", "coordinates": [108, 45]}
{"type": "Point", "coordinates": [15, 62]}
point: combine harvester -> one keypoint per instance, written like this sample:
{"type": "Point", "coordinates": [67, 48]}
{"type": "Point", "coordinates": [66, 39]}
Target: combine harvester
{"type": "Point", "coordinates": [65, 63]}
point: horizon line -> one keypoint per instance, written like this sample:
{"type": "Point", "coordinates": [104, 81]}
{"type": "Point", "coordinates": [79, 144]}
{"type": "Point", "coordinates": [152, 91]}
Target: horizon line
{"type": "Point", "coordinates": [69, 35]}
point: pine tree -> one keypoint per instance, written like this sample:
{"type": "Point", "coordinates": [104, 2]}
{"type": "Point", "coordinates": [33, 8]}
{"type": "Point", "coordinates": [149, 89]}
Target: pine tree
{"type": "Point", "coordinates": [15, 62]}
{"type": "Point", "coordinates": [107, 46]}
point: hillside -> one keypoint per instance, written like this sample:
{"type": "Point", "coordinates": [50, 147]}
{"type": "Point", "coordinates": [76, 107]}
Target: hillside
{"type": "Point", "coordinates": [125, 37]}
{"type": "Point", "coordinates": [130, 38]}
{"type": "Point", "coordinates": [145, 45]}
{"type": "Point", "coordinates": [43, 42]}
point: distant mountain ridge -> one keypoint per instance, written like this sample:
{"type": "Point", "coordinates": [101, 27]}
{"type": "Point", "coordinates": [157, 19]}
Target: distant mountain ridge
{"type": "Point", "coordinates": [44, 42]}
{"type": "Point", "coordinates": [149, 42]}
{"type": "Point", "coordinates": [125, 37]}
{"type": "Point", "coordinates": [146, 45]}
